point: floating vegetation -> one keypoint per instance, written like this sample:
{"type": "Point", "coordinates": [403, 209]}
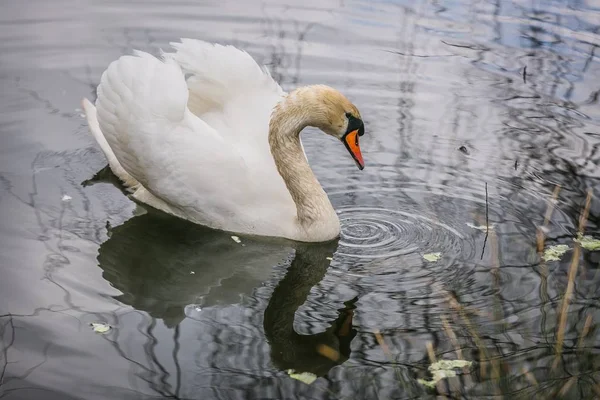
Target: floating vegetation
{"type": "Point", "coordinates": [554, 253]}
{"type": "Point", "coordinates": [100, 327]}
{"type": "Point", "coordinates": [305, 377]}
{"type": "Point", "coordinates": [482, 228]}
{"type": "Point", "coordinates": [588, 242]}
{"type": "Point", "coordinates": [139, 210]}
{"type": "Point", "coordinates": [432, 257]}
{"type": "Point", "coordinates": [443, 369]}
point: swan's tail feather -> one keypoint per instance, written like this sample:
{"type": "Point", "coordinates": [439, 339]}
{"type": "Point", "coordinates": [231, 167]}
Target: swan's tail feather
{"type": "Point", "coordinates": [115, 166]}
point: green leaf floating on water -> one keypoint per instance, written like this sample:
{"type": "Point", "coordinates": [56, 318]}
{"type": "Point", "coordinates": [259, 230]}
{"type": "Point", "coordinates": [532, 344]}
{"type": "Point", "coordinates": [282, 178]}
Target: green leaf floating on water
{"type": "Point", "coordinates": [305, 377]}
{"type": "Point", "coordinates": [100, 327]}
{"type": "Point", "coordinates": [443, 369]}
{"type": "Point", "coordinates": [554, 253]}
{"type": "Point", "coordinates": [444, 365]}
{"type": "Point", "coordinates": [432, 257]}
{"type": "Point", "coordinates": [588, 242]}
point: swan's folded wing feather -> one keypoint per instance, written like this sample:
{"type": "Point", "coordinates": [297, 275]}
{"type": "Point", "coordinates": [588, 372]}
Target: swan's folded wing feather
{"type": "Point", "coordinates": [142, 112]}
{"type": "Point", "coordinates": [232, 93]}
{"type": "Point", "coordinates": [218, 74]}
{"type": "Point", "coordinates": [138, 93]}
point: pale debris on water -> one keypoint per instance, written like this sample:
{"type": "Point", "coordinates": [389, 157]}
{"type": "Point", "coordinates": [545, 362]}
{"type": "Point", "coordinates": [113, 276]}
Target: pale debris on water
{"type": "Point", "coordinates": [588, 242]}
{"type": "Point", "coordinates": [443, 369]}
{"type": "Point", "coordinates": [66, 197]}
{"type": "Point", "coordinates": [482, 228]}
{"type": "Point", "coordinates": [449, 364]}
{"type": "Point", "coordinates": [432, 257]}
{"type": "Point", "coordinates": [100, 327]}
{"type": "Point", "coordinates": [236, 239]}
{"type": "Point", "coordinates": [305, 377]}
{"type": "Point", "coordinates": [329, 258]}
{"type": "Point", "coordinates": [554, 253]}
{"type": "Point", "coordinates": [139, 210]}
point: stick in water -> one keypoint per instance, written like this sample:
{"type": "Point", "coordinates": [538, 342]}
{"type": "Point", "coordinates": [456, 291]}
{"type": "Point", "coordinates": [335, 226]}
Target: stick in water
{"type": "Point", "coordinates": [487, 222]}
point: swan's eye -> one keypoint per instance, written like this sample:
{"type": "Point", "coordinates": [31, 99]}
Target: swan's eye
{"type": "Point", "coordinates": [355, 124]}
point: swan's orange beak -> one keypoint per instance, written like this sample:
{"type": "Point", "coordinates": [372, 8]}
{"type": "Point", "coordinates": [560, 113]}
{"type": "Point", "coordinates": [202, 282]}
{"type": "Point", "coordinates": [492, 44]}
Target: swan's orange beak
{"type": "Point", "coordinates": [351, 142]}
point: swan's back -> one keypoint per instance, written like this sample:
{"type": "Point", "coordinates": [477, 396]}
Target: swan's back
{"type": "Point", "coordinates": [199, 149]}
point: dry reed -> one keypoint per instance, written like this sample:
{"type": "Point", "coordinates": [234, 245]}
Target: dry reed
{"type": "Point", "coordinates": [562, 324]}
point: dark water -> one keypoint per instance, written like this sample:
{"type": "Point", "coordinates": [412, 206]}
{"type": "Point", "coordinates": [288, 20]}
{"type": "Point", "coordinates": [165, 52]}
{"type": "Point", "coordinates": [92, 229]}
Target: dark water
{"type": "Point", "coordinates": [197, 316]}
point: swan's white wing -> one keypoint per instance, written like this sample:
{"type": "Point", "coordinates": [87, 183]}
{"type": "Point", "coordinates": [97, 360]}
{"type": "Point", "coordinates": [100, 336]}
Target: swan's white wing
{"type": "Point", "coordinates": [218, 75]}
{"type": "Point", "coordinates": [142, 112]}
{"type": "Point", "coordinates": [233, 94]}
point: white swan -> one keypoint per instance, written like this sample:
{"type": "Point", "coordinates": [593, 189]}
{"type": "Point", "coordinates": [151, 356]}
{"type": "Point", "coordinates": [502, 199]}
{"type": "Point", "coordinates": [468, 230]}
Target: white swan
{"type": "Point", "coordinates": [222, 147]}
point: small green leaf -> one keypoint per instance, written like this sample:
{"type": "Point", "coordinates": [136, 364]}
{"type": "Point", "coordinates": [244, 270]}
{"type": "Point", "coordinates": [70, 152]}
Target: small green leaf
{"type": "Point", "coordinates": [305, 377]}
{"type": "Point", "coordinates": [443, 369]}
{"type": "Point", "coordinates": [432, 257]}
{"type": "Point", "coordinates": [429, 384]}
{"type": "Point", "coordinates": [554, 253]}
{"type": "Point", "coordinates": [588, 242]}
{"type": "Point", "coordinates": [445, 365]}
{"type": "Point", "coordinates": [100, 327]}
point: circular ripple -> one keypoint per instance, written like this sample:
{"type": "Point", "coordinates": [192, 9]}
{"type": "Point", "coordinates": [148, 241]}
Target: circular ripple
{"type": "Point", "coordinates": [370, 232]}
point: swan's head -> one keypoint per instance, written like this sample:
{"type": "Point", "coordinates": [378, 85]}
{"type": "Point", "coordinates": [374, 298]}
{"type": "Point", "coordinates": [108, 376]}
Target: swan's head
{"type": "Point", "coordinates": [342, 120]}
{"type": "Point", "coordinates": [322, 107]}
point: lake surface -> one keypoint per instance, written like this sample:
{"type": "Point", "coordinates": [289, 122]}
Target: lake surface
{"type": "Point", "coordinates": [455, 96]}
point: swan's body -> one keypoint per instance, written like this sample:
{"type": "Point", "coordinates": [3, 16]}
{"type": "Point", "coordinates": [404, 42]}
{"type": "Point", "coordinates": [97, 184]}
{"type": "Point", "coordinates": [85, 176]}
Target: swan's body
{"type": "Point", "coordinates": [222, 149]}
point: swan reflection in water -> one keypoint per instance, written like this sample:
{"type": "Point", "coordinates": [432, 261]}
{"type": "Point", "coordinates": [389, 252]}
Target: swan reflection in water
{"type": "Point", "coordinates": [162, 264]}
{"type": "Point", "coordinates": [306, 353]}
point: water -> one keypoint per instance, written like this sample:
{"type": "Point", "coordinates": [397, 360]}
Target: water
{"type": "Point", "coordinates": [195, 315]}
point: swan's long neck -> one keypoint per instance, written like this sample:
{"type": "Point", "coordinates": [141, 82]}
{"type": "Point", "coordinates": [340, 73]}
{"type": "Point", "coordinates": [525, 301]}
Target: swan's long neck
{"type": "Point", "coordinates": [299, 109]}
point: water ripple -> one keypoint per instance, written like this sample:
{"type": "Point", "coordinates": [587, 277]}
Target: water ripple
{"type": "Point", "coordinates": [369, 232]}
